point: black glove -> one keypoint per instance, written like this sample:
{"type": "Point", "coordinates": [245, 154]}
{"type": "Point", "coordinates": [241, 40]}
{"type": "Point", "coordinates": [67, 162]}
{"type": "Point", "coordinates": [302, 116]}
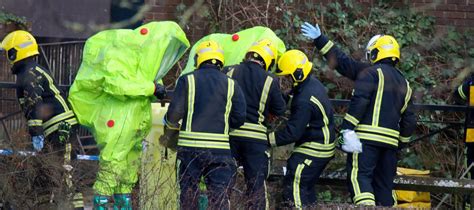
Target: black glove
{"type": "Point", "coordinates": [170, 138]}
{"type": "Point", "coordinates": [160, 91]}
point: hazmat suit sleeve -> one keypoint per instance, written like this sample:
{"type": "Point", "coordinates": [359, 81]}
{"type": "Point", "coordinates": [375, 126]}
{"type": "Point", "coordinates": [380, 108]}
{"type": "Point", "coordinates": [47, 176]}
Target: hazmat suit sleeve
{"type": "Point", "coordinates": [126, 87]}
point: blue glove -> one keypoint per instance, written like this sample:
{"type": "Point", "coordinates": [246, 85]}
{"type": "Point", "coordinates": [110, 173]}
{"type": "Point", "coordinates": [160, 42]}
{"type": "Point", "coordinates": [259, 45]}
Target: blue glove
{"type": "Point", "coordinates": [310, 31]}
{"type": "Point", "coordinates": [38, 142]}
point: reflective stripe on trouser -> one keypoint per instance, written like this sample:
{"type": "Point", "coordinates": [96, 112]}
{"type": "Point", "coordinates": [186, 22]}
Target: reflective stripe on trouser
{"type": "Point", "coordinates": [301, 178]}
{"type": "Point", "coordinates": [371, 174]}
{"type": "Point", "coordinates": [118, 176]}
{"type": "Point", "coordinates": [217, 170]}
{"type": "Point", "coordinates": [255, 159]}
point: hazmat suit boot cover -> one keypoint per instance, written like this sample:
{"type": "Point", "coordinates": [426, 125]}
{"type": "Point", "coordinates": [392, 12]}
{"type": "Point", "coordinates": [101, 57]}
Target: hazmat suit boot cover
{"type": "Point", "coordinates": [113, 89]}
{"type": "Point", "coordinates": [235, 45]}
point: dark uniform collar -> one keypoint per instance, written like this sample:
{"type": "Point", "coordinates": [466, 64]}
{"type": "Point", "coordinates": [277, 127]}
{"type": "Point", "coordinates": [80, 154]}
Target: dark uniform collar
{"type": "Point", "coordinates": [208, 66]}
{"type": "Point", "coordinates": [22, 65]}
{"type": "Point", "coordinates": [301, 85]}
{"type": "Point", "coordinates": [253, 64]}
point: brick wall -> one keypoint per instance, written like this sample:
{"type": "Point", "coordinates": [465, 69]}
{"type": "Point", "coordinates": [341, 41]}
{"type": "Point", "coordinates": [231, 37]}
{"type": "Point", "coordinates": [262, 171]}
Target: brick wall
{"type": "Point", "coordinates": [457, 13]}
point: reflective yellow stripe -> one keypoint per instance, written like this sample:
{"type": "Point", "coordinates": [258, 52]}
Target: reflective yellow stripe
{"type": "Point", "coordinates": [267, 203]}
{"type": "Point", "coordinates": [263, 98]}
{"type": "Point", "coordinates": [379, 130]}
{"type": "Point", "coordinates": [191, 95]}
{"type": "Point", "coordinates": [378, 98]}
{"type": "Point", "coordinates": [58, 118]}
{"type": "Point", "coordinates": [203, 144]}
{"type": "Point", "coordinates": [319, 146]}
{"type": "Point", "coordinates": [231, 72]}
{"type": "Point", "coordinates": [404, 139]}
{"type": "Point", "coordinates": [249, 134]}
{"type": "Point", "coordinates": [461, 93]}
{"type": "Point", "coordinates": [407, 97]}
{"type": "Point", "coordinates": [255, 127]}
{"type": "Point", "coordinates": [327, 47]}
{"type": "Point", "coordinates": [53, 88]}
{"type": "Point", "coordinates": [363, 196]}
{"type": "Point", "coordinates": [351, 119]}
{"type": "Point", "coordinates": [296, 185]}
{"type": "Point", "coordinates": [271, 139]}
{"type": "Point", "coordinates": [228, 106]}
{"type": "Point", "coordinates": [354, 171]}
{"type": "Point", "coordinates": [204, 136]}
{"type": "Point", "coordinates": [54, 127]}
{"type": "Point", "coordinates": [325, 128]}
{"type": "Point", "coordinates": [378, 138]}
{"type": "Point", "coordinates": [313, 153]}
{"type": "Point", "coordinates": [394, 196]}
{"type": "Point", "coordinates": [35, 122]}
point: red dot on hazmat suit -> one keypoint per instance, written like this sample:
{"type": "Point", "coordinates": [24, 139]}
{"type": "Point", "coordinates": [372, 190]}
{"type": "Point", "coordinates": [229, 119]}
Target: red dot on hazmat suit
{"type": "Point", "coordinates": [143, 31]}
{"type": "Point", "coordinates": [110, 123]}
{"type": "Point", "coordinates": [235, 37]}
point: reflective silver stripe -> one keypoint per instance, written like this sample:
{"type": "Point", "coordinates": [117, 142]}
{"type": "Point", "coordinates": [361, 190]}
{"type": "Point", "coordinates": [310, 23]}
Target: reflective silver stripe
{"type": "Point", "coordinates": [263, 98]}
{"type": "Point", "coordinates": [327, 47]}
{"type": "Point", "coordinates": [378, 98]}
{"type": "Point", "coordinates": [191, 95]}
{"type": "Point", "coordinates": [461, 92]}
{"type": "Point", "coordinates": [228, 107]}
{"type": "Point", "coordinates": [269, 51]}
{"type": "Point", "coordinates": [58, 118]}
{"type": "Point", "coordinates": [53, 88]}
{"type": "Point", "coordinates": [25, 44]}
{"type": "Point", "coordinates": [380, 130]}
{"type": "Point", "coordinates": [204, 136]}
{"type": "Point", "coordinates": [407, 97]}
{"type": "Point", "coordinates": [249, 134]}
{"type": "Point", "coordinates": [325, 128]}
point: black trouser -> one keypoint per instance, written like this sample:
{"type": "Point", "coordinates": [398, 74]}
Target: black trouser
{"type": "Point", "coordinates": [303, 172]}
{"type": "Point", "coordinates": [255, 159]}
{"type": "Point", "coordinates": [217, 170]}
{"type": "Point", "coordinates": [371, 174]}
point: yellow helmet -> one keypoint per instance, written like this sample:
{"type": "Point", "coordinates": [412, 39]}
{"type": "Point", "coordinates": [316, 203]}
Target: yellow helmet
{"type": "Point", "coordinates": [209, 50]}
{"type": "Point", "coordinates": [266, 50]}
{"type": "Point", "coordinates": [382, 46]}
{"type": "Point", "coordinates": [294, 63]}
{"type": "Point", "coordinates": [19, 45]}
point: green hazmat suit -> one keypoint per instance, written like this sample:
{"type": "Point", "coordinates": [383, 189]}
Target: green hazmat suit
{"type": "Point", "coordinates": [113, 90]}
{"type": "Point", "coordinates": [235, 45]}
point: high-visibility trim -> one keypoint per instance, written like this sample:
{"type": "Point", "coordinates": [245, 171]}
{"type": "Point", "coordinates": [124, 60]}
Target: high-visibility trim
{"type": "Point", "coordinates": [378, 138]}
{"type": "Point", "coordinates": [394, 196]}
{"type": "Point", "coordinates": [54, 127]}
{"type": "Point", "coordinates": [325, 129]}
{"type": "Point", "coordinates": [379, 130]}
{"type": "Point", "coordinates": [296, 185]}
{"type": "Point", "coordinates": [354, 121]}
{"type": "Point", "coordinates": [32, 123]}
{"type": "Point", "coordinates": [314, 153]}
{"type": "Point", "coordinates": [327, 47]}
{"type": "Point", "coordinates": [204, 136]}
{"type": "Point", "coordinates": [461, 93]}
{"type": "Point", "coordinates": [471, 95]}
{"type": "Point", "coordinates": [405, 139]}
{"type": "Point", "coordinates": [191, 96]}
{"type": "Point", "coordinates": [271, 139]}
{"type": "Point", "coordinates": [249, 134]}
{"type": "Point", "coordinates": [58, 118]}
{"type": "Point", "coordinates": [364, 197]}
{"type": "Point", "coordinates": [378, 98]}
{"type": "Point", "coordinates": [67, 153]}
{"type": "Point", "coordinates": [354, 173]}
{"type": "Point", "coordinates": [263, 98]}
{"type": "Point", "coordinates": [407, 97]}
{"type": "Point", "coordinates": [228, 106]}
{"type": "Point", "coordinates": [53, 88]}
{"type": "Point", "coordinates": [318, 146]}
{"type": "Point", "coordinates": [170, 125]}
{"type": "Point", "coordinates": [469, 135]}
{"type": "Point", "coordinates": [254, 127]}
{"type": "Point", "coordinates": [203, 144]}
{"type": "Point", "coordinates": [267, 202]}
{"type": "Point", "coordinates": [231, 72]}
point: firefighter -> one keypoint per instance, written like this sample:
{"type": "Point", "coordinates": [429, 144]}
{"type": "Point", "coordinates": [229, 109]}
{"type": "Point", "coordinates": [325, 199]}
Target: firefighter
{"type": "Point", "coordinates": [51, 122]}
{"type": "Point", "coordinates": [263, 96]}
{"type": "Point", "coordinates": [310, 127]}
{"type": "Point", "coordinates": [380, 114]}
{"type": "Point", "coordinates": [209, 104]}
{"type": "Point", "coordinates": [460, 96]}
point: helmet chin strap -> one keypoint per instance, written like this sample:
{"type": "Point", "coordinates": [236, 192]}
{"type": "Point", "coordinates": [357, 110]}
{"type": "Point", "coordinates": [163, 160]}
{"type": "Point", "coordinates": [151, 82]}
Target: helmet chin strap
{"type": "Point", "coordinates": [261, 63]}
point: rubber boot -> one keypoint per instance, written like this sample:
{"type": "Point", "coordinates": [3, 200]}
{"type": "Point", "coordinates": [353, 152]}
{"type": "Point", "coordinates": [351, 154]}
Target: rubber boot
{"type": "Point", "coordinates": [122, 202]}
{"type": "Point", "coordinates": [101, 202]}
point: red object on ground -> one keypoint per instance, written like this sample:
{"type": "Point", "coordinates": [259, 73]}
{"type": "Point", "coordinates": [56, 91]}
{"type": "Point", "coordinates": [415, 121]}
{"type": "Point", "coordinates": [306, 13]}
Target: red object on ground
{"type": "Point", "coordinates": [110, 123]}
{"type": "Point", "coordinates": [235, 37]}
{"type": "Point", "coordinates": [143, 31]}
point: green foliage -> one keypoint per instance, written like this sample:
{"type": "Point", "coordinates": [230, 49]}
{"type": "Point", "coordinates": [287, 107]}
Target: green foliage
{"type": "Point", "coordinates": [6, 18]}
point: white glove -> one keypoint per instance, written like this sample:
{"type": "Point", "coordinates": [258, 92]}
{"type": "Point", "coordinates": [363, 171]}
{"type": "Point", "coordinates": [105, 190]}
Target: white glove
{"type": "Point", "coordinates": [351, 142]}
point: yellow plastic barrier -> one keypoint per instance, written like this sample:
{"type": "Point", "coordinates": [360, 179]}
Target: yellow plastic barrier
{"type": "Point", "coordinates": [412, 199]}
{"type": "Point", "coordinates": [158, 188]}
